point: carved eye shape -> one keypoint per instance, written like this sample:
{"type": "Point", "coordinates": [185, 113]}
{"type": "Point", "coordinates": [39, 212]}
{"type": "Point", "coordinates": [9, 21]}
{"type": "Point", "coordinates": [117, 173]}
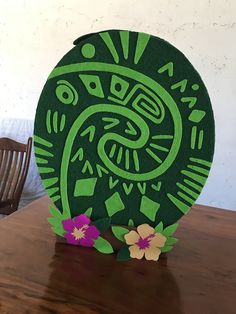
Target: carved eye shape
{"type": "Point", "coordinates": [150, 108]}
{"type": "Point", "coordinates": [118, 86]}
{"type": "Point", "coordinates": [92, 84]}
{"type": "Point", "coordinates": [66, 93]}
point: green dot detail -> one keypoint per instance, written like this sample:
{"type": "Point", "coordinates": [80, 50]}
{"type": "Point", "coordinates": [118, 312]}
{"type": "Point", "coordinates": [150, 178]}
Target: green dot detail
{"type": "Point", "coordinates": [88, 51]}
{"type": "Point", "coordinates": [195, 86]}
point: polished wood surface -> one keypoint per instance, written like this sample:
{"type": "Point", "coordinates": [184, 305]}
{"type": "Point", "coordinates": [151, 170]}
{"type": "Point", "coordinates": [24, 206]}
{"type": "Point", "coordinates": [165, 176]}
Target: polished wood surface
{"type": "Point", "coordinates": [14, 164]}
{"type": "Point", "coordinates": [38, 275]}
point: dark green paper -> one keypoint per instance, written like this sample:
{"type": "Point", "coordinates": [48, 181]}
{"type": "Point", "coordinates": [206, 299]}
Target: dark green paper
{"type": "Point", "coordinates": [124, 126]}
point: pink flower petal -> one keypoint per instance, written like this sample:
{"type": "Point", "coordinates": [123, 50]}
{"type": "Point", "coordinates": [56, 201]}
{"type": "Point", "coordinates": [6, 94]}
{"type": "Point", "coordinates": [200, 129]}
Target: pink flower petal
{"type": "Point", "coordinates": [86, 242]}
{"type": "Point", "coordinates": [68, 225]}
{"type": "Point", "coordinates": [71, 239]}
{"type": "Point", "coordinates": [92, 232]}
{"type": "Point", "coordinates": [81, 220]}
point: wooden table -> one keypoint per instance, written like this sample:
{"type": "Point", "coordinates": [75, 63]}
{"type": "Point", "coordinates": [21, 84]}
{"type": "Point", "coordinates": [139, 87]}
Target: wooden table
{"type": "Point", "coordinates": [38, 275]}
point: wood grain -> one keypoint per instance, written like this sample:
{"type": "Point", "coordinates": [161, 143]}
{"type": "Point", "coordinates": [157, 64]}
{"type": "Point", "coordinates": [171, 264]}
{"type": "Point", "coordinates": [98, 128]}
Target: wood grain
{"type": "Point", "coordinates": [38, 275]}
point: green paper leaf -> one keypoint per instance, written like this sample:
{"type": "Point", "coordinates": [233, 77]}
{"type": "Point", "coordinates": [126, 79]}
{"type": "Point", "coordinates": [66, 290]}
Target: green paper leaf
{"type": "Point", "coordinates": [123, 254]}
{"type": "Point", "coordinates": [168, 231]}
{"type": "Point", "coordinates": [59, 230]}
{"type": "Point", "coordinates": [166, 248]}
{"type": "Point", "coordinates": [54, 211]}
{"type": "Point", "coordinates": [171, 241]}
{"type": "Point", "coordinates": [102, 224]}
{"type": "Point", "coordinates": [56, 220]}
{"type": "Point", "coordinates": [159, 227]}
{"type": "Point", "coordinates": [103, 246]}
{"type": "Point", "coordinates": [57, 214]}
{"type": "Point", "coordinates": [88, 212]}
{"type": "Point", "coordinates": [119, 232]}
{"type": "Point", "coordinates": [131, 223]}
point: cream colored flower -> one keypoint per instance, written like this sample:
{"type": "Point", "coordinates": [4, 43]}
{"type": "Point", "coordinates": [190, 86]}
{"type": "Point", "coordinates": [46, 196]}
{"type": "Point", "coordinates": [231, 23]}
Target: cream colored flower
{"type": "Point", "coordinates": [145, 242]}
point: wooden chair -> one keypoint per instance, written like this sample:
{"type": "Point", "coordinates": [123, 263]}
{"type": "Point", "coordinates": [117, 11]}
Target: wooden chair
{"type": "Point", "coordinates": [14, 165]}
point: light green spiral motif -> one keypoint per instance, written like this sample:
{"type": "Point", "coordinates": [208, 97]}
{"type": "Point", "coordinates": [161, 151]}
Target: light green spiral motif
{"type": "Point", "coordinates": [103, 108]}
{"type": "Point", "coordinates": [125, 112]}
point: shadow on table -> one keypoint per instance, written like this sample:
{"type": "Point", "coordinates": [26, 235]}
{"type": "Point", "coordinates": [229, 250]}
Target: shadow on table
{"type": "Point", "coordinates": [85, 281]}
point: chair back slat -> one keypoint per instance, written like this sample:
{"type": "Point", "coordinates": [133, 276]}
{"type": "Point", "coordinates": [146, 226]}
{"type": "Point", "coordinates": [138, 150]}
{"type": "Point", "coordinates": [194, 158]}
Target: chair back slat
{"type": "Point", "coordinates": [18, 174]}
{"type": "Point", "coordinates": [1, 155]}
{"type": "Point", "coordinates": [10, 186]}
{"type": "Point", "coordinates": [2, 169]}
{"type": "Point", "coordinates": [14, 164]}
{"type": "Point", "coordinates": [6, 174]}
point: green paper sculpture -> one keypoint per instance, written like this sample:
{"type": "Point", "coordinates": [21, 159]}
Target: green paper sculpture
{"type": "Point", "coordinates": [124, 131]}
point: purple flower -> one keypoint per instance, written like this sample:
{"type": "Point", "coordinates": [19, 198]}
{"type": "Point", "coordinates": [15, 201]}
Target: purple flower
{"type": "Point", "coordinates": [79, 232]}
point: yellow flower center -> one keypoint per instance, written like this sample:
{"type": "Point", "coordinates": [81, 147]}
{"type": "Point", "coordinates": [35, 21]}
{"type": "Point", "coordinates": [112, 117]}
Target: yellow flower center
{"type": "Point", "coordinates": [79, 233]}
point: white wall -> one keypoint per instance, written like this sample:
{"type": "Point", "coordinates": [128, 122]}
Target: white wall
{"type": "Point", "coordinates": [34, 35]}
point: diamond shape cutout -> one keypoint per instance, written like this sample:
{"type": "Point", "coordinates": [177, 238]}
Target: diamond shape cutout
{"type": "Point", "coordinates": [114, 204]}
{"type": "Point", "coordinates": [118, 86]}
{"type": "Point", "coordinates": [85, 187]}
